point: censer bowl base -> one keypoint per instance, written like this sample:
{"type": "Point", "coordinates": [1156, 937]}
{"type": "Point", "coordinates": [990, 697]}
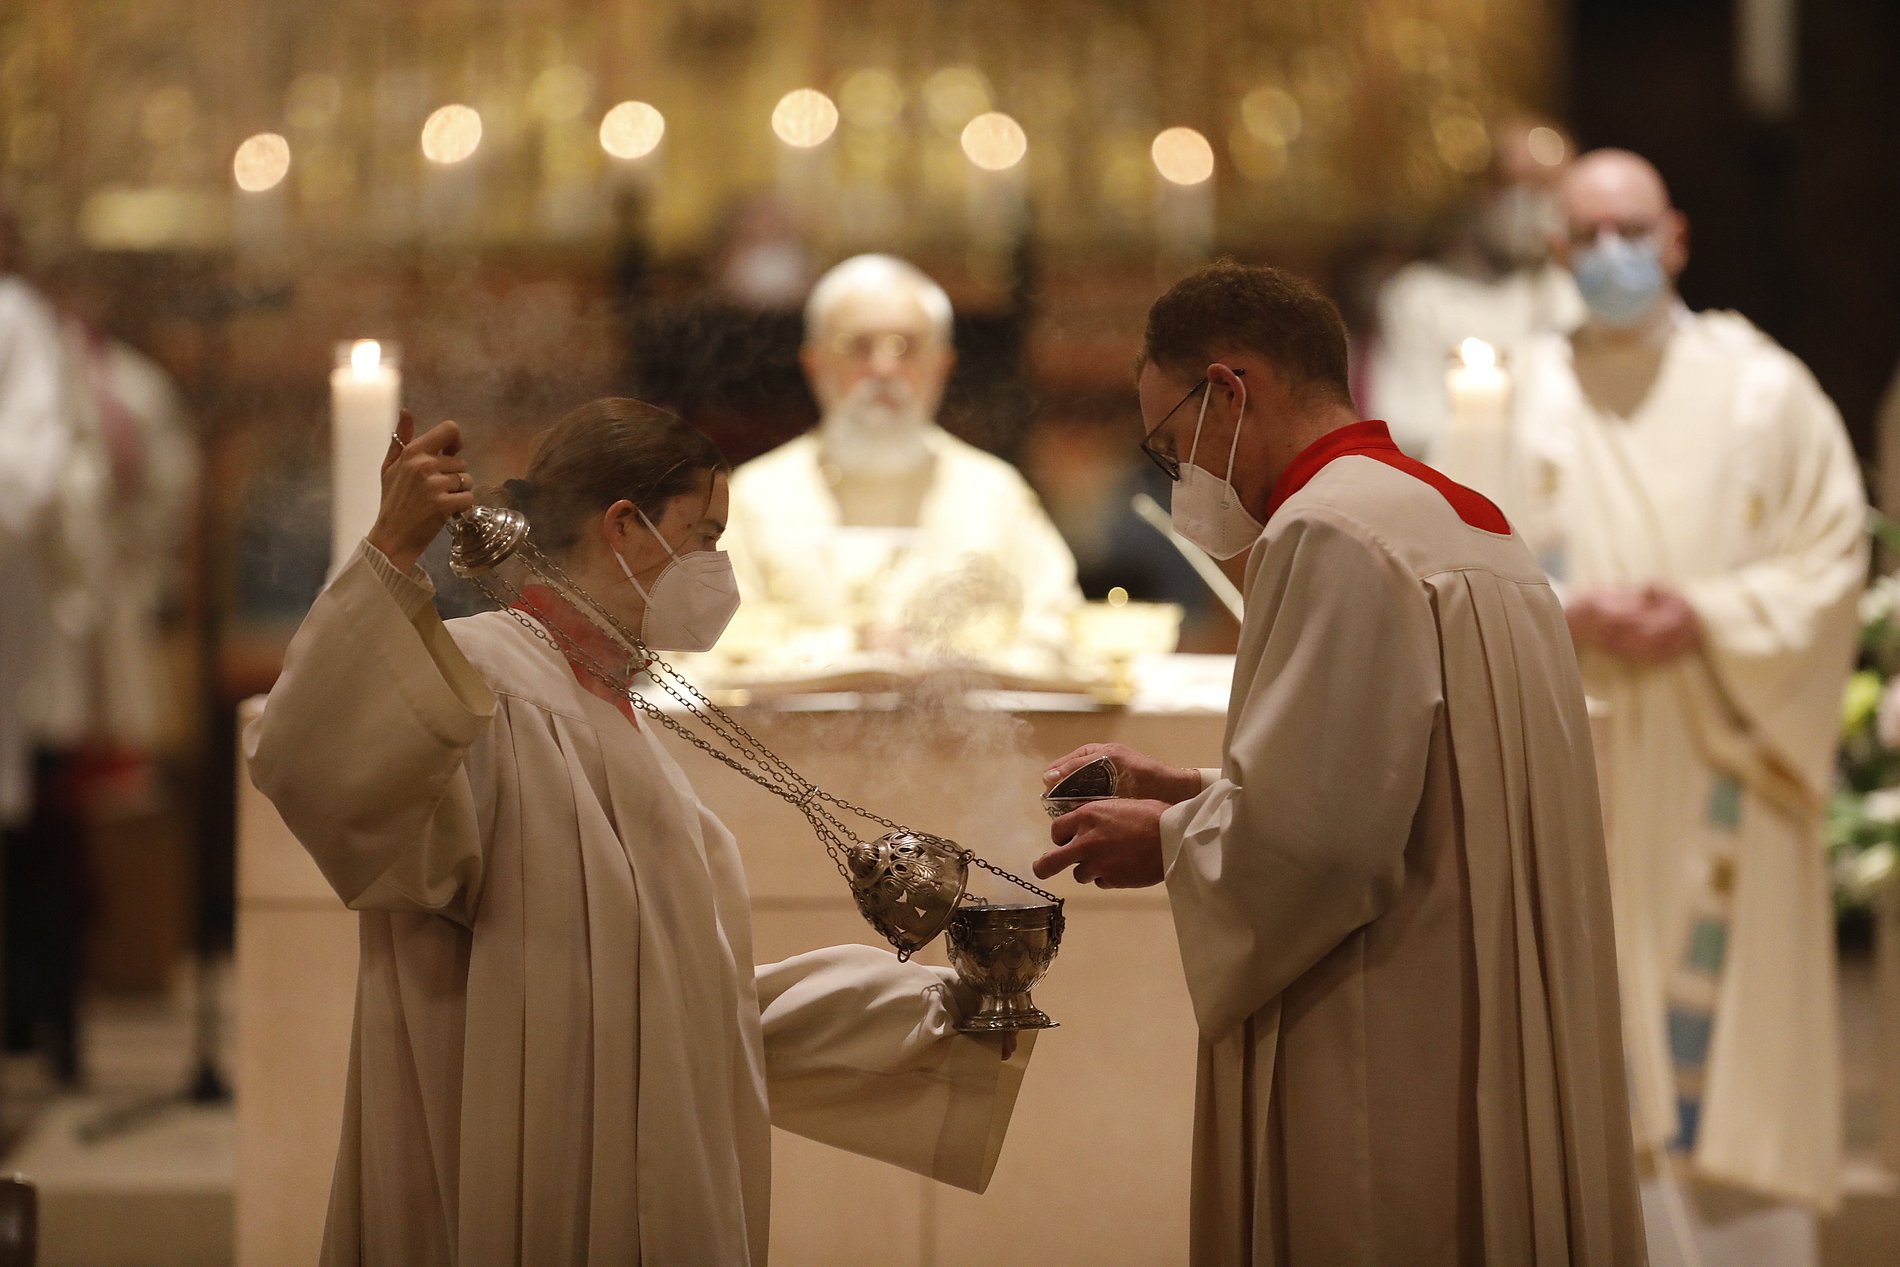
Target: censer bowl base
{"type": "Point", "coordinates": [1006, 1015]}
{"type": "Point", "coordinates": [1000, 952]}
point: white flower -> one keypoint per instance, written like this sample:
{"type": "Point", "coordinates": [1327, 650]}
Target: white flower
{"type": "Point", "coordinates": [1877, 602]}
{"type": "Point", "coordinates": [1874, 866]}
{"type": "Point", "coordinates": [1882, 806]}
{"type": "Point", "coordinates": [1887, 720]}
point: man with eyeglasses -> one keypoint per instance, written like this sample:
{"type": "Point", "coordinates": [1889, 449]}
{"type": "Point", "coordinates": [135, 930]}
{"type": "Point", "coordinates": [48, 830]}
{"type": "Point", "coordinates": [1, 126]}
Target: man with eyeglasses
{"type": "Point", "coordinates": [1391, 899]}
{"type": "Point", "coordinates": [1692, 492]}
{"type": "Point", "coordinates": [879, 531]}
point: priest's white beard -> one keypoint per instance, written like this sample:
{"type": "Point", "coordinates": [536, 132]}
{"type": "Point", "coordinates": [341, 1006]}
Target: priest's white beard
{"type": "Point", "coordinates": [877, 429]}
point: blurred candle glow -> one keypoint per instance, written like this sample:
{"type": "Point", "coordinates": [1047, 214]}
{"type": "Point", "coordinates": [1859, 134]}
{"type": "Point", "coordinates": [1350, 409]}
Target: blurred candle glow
{"type": "Point", "coordinates": [451, 134]}
{"type": "Point", "coordinates": [805, 118]}
{"type": "Point", "coordinates": [995, 142]}
{"type": "Point", "coordinates": [1183, 156]}
{"type": "Point", "coordinates": [365, 394]}
{"type": "Point", "coordinates": [632, 129]}
{"type": "Point", "coordinates": [261, 162]}
{"type": "Point", "coordinates": [1476, 449]}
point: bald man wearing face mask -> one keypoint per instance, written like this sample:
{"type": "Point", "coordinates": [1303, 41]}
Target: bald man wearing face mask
{"type": "Point", "coordinates": [879, 531]}
{"type": "Point", "coordinates": [1691, 490]}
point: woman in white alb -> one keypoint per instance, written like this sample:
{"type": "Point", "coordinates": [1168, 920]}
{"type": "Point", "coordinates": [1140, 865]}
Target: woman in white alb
{"type": "Point", "coordinates": [562, 1050]}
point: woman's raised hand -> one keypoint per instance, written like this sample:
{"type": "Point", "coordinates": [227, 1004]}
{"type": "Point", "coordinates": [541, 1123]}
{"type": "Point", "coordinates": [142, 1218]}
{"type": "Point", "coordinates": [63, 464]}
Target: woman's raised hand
{"type": "Point", "coordinates": [424, 482]}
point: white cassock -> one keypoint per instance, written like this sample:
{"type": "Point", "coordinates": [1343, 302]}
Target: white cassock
{"type": "Point", "coordinates": [35, 441]}
{"type": "Point", "coordinates": [1426, 310]}
{"type": "Point", "coordinates": [562, 1052]}
{"type": "Point", "coordinates": [813, 546]}
{"type": "Point", "coordinates": [1730, 478]}
{"type": "Point", "coordinates": [1391, 900]}
{"type": "Point", "coordinates": [112, 547]}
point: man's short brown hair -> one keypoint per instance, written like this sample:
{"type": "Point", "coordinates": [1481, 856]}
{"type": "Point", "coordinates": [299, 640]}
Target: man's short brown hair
{"type": "Point", "coordinates": [1228, 307]}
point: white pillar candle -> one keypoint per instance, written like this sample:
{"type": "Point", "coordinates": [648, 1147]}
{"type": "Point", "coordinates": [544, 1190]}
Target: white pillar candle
{"type": "Point", "coordinates": [365, 393]}
{"type": "Point", "coordinates": [1476, 449]}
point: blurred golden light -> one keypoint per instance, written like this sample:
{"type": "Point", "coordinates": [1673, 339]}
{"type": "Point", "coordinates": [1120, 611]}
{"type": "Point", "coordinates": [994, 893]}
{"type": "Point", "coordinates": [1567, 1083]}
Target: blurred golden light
{"type": "Point", "coordinates": [34, 139]}
{"type": "Point", "coordinates": [1183, 156]}
{"type": "Point", "coordinates": [261, 163]}
{"type": "Point", "coordinates": [313, 101]}
{"type": "Point", "coordinates": [1462, 139]}
{"type": "Point", "coordinates": [560, 92]}
{"type": "Point", "coordinates": [167, 114]}
{"type": "Point", "coordinates": [1547, 146]}
{"type": "Point", "coordinates": [871, 98]}
{"type": "Point", "coordinates": [1271, 113]}
{"type": "Point", "coordinates": [1258, 158]}
{"type": "Point", "coordinates": [955, 95]}
{"type": "Point", "coordinates": [451, 134]}
{"type": "Point", "coordinates": [1118, 597]}
{"type": "Point", "coordinates": [994, 142]}
{"type": "Point", "coordinates": [805, 118]}
{"type": "Point", "coordinates": [632, 129]}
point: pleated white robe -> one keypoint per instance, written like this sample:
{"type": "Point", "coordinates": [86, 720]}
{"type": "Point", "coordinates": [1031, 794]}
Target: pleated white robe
{"type": "Point", "coordinates": [1392, 905]}
{"type": "Point", "coordinates": [1731, 479]}
{"type": "Point", "coordinates": [562, 1053]}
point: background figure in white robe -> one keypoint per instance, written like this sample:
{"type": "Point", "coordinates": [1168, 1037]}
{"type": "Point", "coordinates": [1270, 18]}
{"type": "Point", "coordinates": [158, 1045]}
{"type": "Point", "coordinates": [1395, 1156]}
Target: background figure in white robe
{"type": "Point", "coordinates": [562, 1052]}
{"type": "Point", "coordinates": [41, 860]}
{"type": "Point", "coordinates": [112, 553]}
{"type": "Point", "coordinates": [1692, 492]}
{"type": "Point", "coordinates": [1391, 899]}
{"type": "Point", "coordinates": [35, 441]}
{"type": "Point", "coordinates": [880, 531]}
{"type": "Point", "coordinates": [1494, 282]}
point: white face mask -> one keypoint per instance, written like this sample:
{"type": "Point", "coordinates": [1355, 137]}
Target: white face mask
{"type": "Point", "coordinates": [1205, 508]}
{"type": "Point", "coordinates": [691, 603]}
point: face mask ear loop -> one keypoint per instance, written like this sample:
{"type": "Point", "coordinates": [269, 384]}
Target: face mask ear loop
{"type": "Point", "coordinates": [1227, 498]}
{"type": "Point", "coordinates": [1195, 446]}
{"type": "Point", "coordinates": [621, 559]}
{"type": "Point", "coordinates": [656, 532]}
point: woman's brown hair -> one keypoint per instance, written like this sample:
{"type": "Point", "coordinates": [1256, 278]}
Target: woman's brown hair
{"type": "Point", "coordinates": [606, 450]}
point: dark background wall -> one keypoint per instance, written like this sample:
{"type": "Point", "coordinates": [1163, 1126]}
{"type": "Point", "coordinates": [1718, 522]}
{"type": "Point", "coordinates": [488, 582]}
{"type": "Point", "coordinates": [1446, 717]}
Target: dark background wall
{"type": "Point", "coordinates": [1795, 222]}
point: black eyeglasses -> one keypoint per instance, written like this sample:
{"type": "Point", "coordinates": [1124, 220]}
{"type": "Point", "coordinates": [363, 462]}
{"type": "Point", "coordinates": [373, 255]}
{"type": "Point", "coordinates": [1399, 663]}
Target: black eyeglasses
{"type": "Point", "coordinates": [1170, 464]}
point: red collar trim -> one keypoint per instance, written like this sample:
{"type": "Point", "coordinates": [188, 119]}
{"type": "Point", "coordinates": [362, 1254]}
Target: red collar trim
{"type": "Point", "coordinates": [1372, 439]}
{"type": "Point", "coordinates": [1366, 439]}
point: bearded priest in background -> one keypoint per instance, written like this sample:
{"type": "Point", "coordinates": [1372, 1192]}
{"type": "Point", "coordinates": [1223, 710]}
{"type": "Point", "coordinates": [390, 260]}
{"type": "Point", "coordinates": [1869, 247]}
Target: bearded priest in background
{"type": "Point", "coordinates": [876, 523]}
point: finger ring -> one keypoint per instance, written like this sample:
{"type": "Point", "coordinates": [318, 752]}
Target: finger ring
{"type": "Point", "coordinates": [398, 439]}
{"type": "Point", "coordinates": [466, 483]}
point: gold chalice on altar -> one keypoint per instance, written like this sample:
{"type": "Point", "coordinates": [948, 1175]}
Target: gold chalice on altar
{"type": "Point", "coordinates": [1113, 633]}
{"type": "Point", "coordinates": [1000, 952]}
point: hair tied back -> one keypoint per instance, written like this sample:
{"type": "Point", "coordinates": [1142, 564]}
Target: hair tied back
{"type": "Point", "coordinates": [520, 494]}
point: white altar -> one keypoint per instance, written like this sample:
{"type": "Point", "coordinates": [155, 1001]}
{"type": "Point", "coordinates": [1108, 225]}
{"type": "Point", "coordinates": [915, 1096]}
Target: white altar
{"type": "Point", "coordinates": [1096, 1168]}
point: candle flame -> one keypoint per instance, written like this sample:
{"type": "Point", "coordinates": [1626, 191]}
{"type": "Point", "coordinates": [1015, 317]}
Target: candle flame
{"type": "Point", "coordinates": [1478, 355]}
{"type": "Point", "coordinates": [366, 357]}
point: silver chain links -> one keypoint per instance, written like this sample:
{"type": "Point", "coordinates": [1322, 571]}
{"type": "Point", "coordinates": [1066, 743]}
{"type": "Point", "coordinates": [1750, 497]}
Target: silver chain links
{"type": "Point", "coordinates": [754, 760]}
